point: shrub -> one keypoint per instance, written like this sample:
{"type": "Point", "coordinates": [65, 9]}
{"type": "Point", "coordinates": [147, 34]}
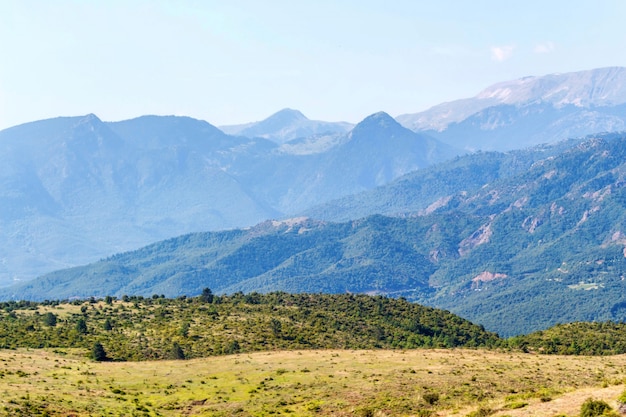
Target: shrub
{"type": "Point", "coordinates": [481, 412]}
{"type": "Point", "coordinates": [430, 398]}
{"type": "Point", "coordinates": [595, 408]}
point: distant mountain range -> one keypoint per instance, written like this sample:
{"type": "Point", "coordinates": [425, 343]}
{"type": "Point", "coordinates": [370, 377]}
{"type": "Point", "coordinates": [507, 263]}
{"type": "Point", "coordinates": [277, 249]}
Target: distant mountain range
{"type": "Point", "coordinates": [528, 249]}
{"type": "Point", "coordinates": [73, 190]}
{"type": "Point", "coordinates": [529, 111]}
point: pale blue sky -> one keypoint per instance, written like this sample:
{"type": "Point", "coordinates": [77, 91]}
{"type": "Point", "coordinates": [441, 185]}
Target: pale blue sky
{"type": "Point", "coordinates": [237, 61]}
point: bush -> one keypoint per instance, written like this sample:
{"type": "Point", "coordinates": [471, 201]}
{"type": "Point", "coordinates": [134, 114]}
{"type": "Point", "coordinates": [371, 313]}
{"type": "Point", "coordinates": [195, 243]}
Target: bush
{"type": "Point", "coordinates": [595, 408]}
{"type": "Point", "coordinates": [481, 412]}
{"type": "Point", "coordinates": [430, 398]}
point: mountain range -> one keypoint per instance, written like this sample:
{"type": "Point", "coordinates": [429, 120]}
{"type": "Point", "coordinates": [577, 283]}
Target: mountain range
{"type": "Point", "coordinates": [489, 235]}
{"type": "Point", "coordinates": [529, 111]}
{"type": "Point", "coordinates": [75, 189]}
{"type": "Point", "coordinates": [522, 252]}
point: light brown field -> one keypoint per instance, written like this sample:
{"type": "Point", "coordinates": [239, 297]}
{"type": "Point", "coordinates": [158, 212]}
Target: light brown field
{"type": "Point", "coordinates": [308, 383]}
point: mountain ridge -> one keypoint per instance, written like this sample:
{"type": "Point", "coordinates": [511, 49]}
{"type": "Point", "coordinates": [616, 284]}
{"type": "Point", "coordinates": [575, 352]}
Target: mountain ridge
{"type": "Point", "coordinates": [529, 111]}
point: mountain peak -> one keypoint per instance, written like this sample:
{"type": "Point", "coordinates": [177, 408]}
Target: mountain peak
{"type": "Point", "coordinates": [378, 121]}
{"type": "Point", "coordinates": [89, 119]}
{"type": "Point", "coordinates": [287, 115]}
{"type": "Point", "coordinates": [286, 125]}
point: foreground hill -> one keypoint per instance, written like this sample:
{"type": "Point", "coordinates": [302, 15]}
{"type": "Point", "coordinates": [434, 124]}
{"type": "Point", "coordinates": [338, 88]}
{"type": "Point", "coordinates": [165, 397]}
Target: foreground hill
{"type": "Point", "coordinates": [529, 111]}
{"type": "Point", "coordinates": [519, 254]}
{"type": "Point", "coordinates": [304, 354]}
{"type": "Point", "coordinates": [159, 328]}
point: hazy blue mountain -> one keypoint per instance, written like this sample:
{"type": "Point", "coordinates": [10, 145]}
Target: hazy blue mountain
{"type": "Point", "coordinates": [520, 253]}
{"type": "Point", "coordinates": [529, 111]}
{"type": "Point", "coordinates": [73, 190]}
{"type": "Point", "coordinates": [286, 125]}
{"type": "Point", "coordinates": [375, 152]}
{"type": "Point", "coordinates": [427, 189]}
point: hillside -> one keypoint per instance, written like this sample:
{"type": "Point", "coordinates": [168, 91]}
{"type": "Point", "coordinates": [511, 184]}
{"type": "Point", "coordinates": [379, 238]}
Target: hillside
{"type": "Point", "coordinates": [423, 190]}
{"type": "Point", "coordinates": [278, 353]}
{"type": "Point", "coordinates": [551, 236]}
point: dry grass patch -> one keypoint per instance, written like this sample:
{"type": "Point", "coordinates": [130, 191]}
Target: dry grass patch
{"type": "Point", "coordinates": [306, 383]}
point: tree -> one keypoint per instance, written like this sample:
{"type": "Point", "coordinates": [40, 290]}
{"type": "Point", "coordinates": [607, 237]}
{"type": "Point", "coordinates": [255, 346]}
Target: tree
{"type": "Point", "coordinates": [177, 351]}
{"type": "Point", "coordinates": [50, 319]}
{"type": "Point", "coordinates": [207, 295]}
{"type": "Point", "coordinates": [98, 353]}
{"type": "Point", "coordinates": [276, 327]}
{"type": "Point", "coordinates": [184, 329]}
{"type": "Point", "coordinates": [81, 326]}
{"type": "Point", "coordinates": [107, 325]}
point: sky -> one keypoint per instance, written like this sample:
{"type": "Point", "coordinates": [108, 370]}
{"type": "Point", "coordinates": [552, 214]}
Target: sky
{"type": "Point", "coordinates": [237, 61]}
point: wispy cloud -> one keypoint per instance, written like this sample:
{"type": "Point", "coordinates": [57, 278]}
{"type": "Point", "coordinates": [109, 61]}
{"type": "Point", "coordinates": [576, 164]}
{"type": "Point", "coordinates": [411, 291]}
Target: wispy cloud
{"type": "Point", "coordinates": [544, 48]}
{"type": "Point", "coordinates": [501, 53]}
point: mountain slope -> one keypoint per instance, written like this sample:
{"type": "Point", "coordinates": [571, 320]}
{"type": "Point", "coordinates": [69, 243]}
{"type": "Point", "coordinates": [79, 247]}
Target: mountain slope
{"type": "Point", "coordinates": [518, 254]}
{"type": "Point", "coordinates": [427, 189]}
{"type": "Point", "coordinates": [287, 125]}
{"type": "Point", "coordinates": [529, 111]}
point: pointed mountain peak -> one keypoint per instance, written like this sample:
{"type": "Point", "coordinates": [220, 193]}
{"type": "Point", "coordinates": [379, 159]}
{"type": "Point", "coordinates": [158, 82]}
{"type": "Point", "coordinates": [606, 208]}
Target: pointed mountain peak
{"type": "Point", "coordinates": [89, 119]}
{"type": "Point", "coordinates": [378, 121]}
{"type": "Point", "coordinates": [286, 116]}
{"type": "Point", "coordinates": [285, 125]}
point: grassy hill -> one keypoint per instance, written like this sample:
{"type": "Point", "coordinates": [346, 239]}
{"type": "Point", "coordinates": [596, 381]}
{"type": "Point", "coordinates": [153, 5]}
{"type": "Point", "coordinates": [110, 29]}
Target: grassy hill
{"type": "Point", "coordinates": [159, 328]}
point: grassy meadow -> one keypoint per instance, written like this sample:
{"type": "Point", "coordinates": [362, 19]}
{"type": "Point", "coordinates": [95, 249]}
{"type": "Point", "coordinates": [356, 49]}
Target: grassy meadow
{"type": "Point", "coordinates": [421, 382]}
